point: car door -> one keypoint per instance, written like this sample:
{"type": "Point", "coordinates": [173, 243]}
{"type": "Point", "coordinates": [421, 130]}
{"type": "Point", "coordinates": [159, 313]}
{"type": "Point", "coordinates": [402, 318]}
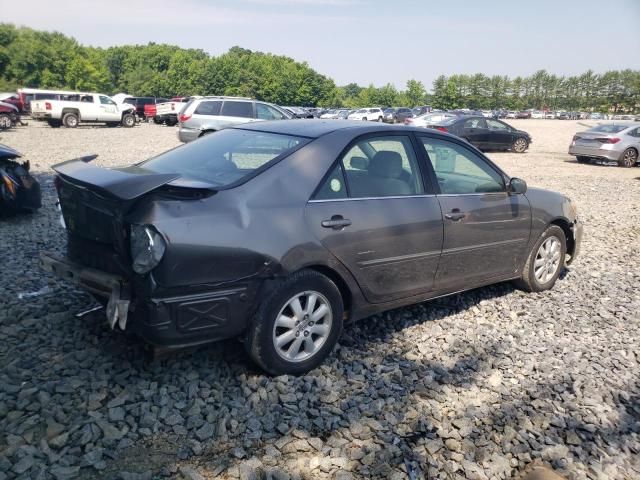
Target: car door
{"type": "Point", "coordinates": [109, 111]}
{"type": "Point", "coordinates": [500, 135]}
{"type": "Point", "coordinates": [474, 130]}
{"type": "Point", "coordinates": [486, 229]}
{"type": "Point", "coordinates": [89, 109]}
{"type": "Point", "coordinates": [374, 214]}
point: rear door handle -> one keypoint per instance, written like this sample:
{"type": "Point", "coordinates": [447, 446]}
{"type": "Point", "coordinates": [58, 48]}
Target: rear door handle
{"type": "Point", "coordinates": [455, 215]}
{"type": "Point", "coordinates": [337, 222]}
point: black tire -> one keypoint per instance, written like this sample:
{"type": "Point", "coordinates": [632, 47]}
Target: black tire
{"type": "Point", "coordinates": [629, 158]}
{"type": "Point", "coordinates": [364, 119]}
{"type": "Point", "coordinates": [5, 121]}
{"type": "Point", "coordinates": [172, 123]}
{"type": "Point", "coordinates": [582, 159]}
{"type": "Point", "coordinates": [70, 120]}
{"type": "Point", "coordinates": [520, 145]}
{"type": "Point", "coordinates": [380, 119]}
{"type": "Point", "coordinates": [528, 282]}
{"type": "Point", "coordinates": [113, 124]}
{"type": "Point", "coordinates": [128, 120]}
{"type": "Point", "coordinates": [54, 123]}
{"type": "Point", "coordinates": [157, 121]}
{"type": "Point", "coordinates": [259, 342]}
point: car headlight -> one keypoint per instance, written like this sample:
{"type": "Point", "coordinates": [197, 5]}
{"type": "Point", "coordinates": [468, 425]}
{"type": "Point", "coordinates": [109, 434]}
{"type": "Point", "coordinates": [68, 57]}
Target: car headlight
{"type": "Point", "coordinates": [147, 248]}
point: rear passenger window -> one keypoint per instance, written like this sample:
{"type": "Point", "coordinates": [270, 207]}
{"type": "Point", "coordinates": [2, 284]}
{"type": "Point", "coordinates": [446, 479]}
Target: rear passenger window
{"type": "Point", "coordinates": [333, 187]}
{"type": "Point", "coordinates": [382, 167]}
{"type": "Point", "coordinates": [237, 109]}
{"type": "Point", "coordinates": [210, 107]}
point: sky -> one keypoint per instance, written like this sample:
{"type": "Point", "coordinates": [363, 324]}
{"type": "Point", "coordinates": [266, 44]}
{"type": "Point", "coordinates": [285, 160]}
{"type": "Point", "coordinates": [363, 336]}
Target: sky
{"type": "Point", "coordinates": [366, 41]}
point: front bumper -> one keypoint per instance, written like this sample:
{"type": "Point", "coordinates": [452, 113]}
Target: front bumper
{"type": "Point", "coordinates": [188, 134]}
{"type": "Point", "coordinates": [577, 231]}
{"type": "Point", "coordinates": [190, 317]}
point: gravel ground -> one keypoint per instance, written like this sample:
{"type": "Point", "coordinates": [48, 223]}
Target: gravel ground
{"type": "Point", "coordinates": [478, 385]}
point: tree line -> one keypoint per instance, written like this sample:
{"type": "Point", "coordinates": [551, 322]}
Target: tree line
{"type": "Point", "coordinates": [32, 58]}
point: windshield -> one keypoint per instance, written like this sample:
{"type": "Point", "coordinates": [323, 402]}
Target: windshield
{"type": "Point", "coordinates": [225, 157]}
{"type": "Point", "coordinates": [362, 110]}
{"type": "Point", "coordinates": [448, 121]}
{"type": "Point", "coordinates": [609, 128]}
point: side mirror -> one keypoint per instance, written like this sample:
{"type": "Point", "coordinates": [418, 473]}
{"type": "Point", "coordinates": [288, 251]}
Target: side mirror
{"type": "Point", "coordinates": [517, 186]}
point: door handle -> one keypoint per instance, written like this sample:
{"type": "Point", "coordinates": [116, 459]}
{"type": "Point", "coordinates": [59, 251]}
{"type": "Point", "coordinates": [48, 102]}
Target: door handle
{"type": "Point", "coordinates": [455, 215]}
{"type": "Point", "coordinates": [337, 222]}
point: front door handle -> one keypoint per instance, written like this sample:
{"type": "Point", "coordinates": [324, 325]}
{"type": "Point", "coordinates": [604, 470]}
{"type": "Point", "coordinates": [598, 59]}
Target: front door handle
{"type": "Point", "coordinates": [337, 222]}
{"type": "Point", "coordinates": [455, 215]}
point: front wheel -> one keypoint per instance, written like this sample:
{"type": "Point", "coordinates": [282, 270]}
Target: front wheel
{"type": "Point", "coordinates": [297, 324]}
{"type": "Point", "coordinates": [545, 261]}
{"type": "Point", "coordinates": [380, 119]}
{"type": "Point", "coordinates": [628, 158]}
{"type": "Point", "coordinates": [582, 159]}
{"type": "Point", "coordinates": [5, 121]}
{"type": "Point", "coordinates": [520, 145]}
{"type": "Point", "coordinates": [364, 119]}
{"type": "Point", "coordinates": [128, 120]}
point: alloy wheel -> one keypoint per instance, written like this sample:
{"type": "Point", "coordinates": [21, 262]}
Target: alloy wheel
{"type": "Point", "coordinates": [629, 157]}
{"type": "Point", "coordinates": [302, 326]}
{"type": "Point", "coordinates": [547, 260]}
{"type": "Point", "coordinates": [520, 145]}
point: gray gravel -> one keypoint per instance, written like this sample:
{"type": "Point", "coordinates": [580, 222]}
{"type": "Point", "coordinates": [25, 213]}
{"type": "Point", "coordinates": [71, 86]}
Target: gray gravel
{"type": "Point", "coordinates": [478, 386]}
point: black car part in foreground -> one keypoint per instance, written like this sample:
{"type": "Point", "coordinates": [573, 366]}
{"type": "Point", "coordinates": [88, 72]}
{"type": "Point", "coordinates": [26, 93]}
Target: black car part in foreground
{"type": "Point", "coordinates": [277, 232]}
{"type": "Point", "coordinates": [19, 190]}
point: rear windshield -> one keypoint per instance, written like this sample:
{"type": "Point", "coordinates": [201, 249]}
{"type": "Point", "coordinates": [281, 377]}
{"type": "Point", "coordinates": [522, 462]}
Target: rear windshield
{"type": "Point", "coordinates": [609, 128]}
{"type": "Point", "coordinates": [225, 157]}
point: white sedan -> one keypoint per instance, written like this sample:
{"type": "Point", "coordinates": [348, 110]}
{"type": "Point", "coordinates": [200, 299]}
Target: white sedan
{"type": "Point", "coordinates": [428, 119]}
{"type": "Point", "coordinates": [373, 114]}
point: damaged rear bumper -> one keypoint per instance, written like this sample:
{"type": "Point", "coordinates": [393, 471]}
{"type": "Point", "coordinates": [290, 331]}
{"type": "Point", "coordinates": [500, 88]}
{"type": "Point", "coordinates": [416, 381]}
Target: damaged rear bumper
{"type": "Point", "coordinates": [189, 318]}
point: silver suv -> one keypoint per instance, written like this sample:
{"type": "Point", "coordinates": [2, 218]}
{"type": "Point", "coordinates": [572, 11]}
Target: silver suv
{"type": "Point", "coordinates": [208, 114]}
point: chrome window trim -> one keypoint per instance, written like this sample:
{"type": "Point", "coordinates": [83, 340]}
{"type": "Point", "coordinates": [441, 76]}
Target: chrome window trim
{"type": "Point", "coordinates": [349, 199]}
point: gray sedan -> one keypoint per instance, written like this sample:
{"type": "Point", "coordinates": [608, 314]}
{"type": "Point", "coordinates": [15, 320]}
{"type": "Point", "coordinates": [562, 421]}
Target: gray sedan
{"type": "Point", "coordinates": [277, 232]}
{"type": "Point", "coordinates": [616, 142]}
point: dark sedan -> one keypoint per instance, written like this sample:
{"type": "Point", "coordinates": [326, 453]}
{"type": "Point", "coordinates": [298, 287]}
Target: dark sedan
{"type": "Point", "coordinates": [487, 133]}
{"type": "Point", "coordinates": [277, 232]}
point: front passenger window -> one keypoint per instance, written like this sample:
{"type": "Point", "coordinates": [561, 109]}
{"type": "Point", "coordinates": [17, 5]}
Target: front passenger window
{"type": "Point", "coordinates": [460, 171]}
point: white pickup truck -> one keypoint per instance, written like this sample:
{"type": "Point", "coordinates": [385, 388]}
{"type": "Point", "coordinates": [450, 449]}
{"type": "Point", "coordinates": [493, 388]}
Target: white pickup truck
{"type": "Point", "coordinates": [83, 107]}
{"type": "Point", "coordinates": [167, 112]}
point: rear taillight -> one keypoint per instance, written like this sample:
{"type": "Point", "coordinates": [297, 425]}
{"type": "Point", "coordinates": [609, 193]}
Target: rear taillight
{"type": "Point", "coordinates": [442, 129]}
{"type": "Point", "coordinates": [184, 118]}
{"type": "Point", "coordinates": [47, 105]}
{"type": "Point", "coordinates": [608, 140]}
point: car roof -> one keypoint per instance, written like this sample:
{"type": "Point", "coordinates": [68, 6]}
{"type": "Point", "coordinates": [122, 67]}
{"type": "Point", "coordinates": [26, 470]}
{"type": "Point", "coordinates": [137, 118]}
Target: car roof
{"type": "Point", "coordinates": [314, 128]}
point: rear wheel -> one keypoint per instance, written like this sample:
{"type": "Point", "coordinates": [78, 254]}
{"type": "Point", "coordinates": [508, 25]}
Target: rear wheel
{"type": "Point", "coordinates": [629, 158]}
{"type": "Point", "coordinates": [128, 120]}
{"type": "Point", "coordinates": [582, 159]}
{"type": "Point", "coordinates": [364, 119]}
{"type": "Point", "coordinates": [545, 262]}
{"type": "Point", "coordinates": [112, 124]}
{"type": "Point", "coordinates": [297, 324]}
{"type": "Point", "coordinates": [157, 121]}
{"type": "Point", "coordinates": [520, 145]}
{"type": "Point", "coordinates": [54, 123]}
{"type": "Point", "coordinates": [70, 120]}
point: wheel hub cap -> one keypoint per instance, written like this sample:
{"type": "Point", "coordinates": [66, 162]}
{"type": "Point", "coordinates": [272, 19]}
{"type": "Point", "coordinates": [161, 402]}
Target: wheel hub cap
{"type": "Point", "coordinates": [547, 260]}
{"type": "Point", "coordinates": [302, 326]}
